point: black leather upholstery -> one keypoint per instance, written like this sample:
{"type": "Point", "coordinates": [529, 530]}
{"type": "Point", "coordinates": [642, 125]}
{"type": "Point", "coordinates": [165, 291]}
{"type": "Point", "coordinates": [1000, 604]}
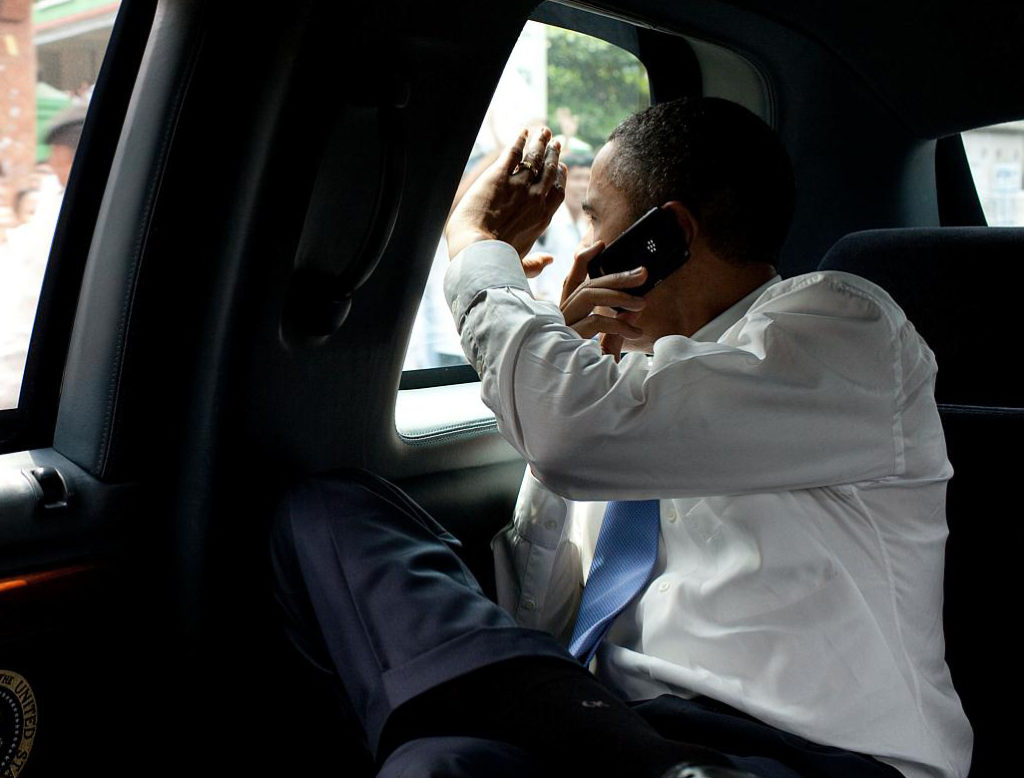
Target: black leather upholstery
{"type": "Point", "coordinates": [983, 577]}
{"type": "Point", "coordinates": [960, 288]}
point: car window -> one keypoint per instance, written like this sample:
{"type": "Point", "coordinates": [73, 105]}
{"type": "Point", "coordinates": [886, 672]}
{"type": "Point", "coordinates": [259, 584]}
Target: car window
{"type": "Point", "coordinates": [50, 56]}
{"type": "Point", "coordinates": [996, 157]}
{"type": "Point", "coordinates": [581, 87]}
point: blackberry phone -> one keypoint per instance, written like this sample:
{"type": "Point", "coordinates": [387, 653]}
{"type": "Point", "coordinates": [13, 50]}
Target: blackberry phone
{"type": "Point", "coordinates": [655, 240]}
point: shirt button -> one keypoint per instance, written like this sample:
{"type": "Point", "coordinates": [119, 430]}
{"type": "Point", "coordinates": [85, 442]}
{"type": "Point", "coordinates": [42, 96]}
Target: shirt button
{"type": "Point", "coordinates": [664, 586]}
{"type": "Point", "coordinates": [529, 605]}
{"type": "Point", "coordinates": [670, 514]}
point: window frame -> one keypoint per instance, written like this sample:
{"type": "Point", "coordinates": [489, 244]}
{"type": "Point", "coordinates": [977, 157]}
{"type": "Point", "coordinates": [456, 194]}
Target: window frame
{"type": "Point", "coordinates": [621, 33]}
{"type": "Point", "coordinates": [673, 62]}
{"type": "Point", "coordinates": [957, 193]}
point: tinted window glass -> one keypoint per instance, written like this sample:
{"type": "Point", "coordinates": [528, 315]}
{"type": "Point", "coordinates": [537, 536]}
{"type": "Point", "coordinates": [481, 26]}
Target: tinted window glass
{"type": "Point", "coordinates": [50, 56]}
{"type": "Point", "coordinates": [579, 86]}
{"type": "Point", "coordinates": [996, 157]}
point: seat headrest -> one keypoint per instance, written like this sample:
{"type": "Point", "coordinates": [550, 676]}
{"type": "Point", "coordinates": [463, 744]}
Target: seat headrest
{"type": "Point", "coordinates": [961, 287]}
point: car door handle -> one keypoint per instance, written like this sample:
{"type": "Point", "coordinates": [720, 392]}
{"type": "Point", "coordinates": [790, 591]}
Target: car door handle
{"type": "Point", "coordinates": [53, 489]}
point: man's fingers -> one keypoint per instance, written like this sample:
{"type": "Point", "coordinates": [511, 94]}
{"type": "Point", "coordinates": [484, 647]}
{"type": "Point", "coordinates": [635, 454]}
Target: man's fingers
{"type": "Point", "coordinates": [624, 280]}
{"type": "Point", "coordinates": [554, 198]}
{"type": "Point", "coordinates": [596, 324]}
{"type": "Point", "coordinates": [556, 193]}
{"type": "Point", "coordinates": [550, 173]}
{"type": "Point", "coordinates": [583, 302]}
{"type": "Point", "coordinates": [578, 272]}
{"type": "Point", "coordinates": [592, 296]}
{"type": "Point", "coordinates": [514, 155]}
{"type": "Point", "coordinates": [579, 301]}
{"type": "Point", "coordinates": [611, 343]}
{"type": "Point", "coordinates": [533, 264]}
{"type": "Point", "coordinates": [536, 147]}
{"type": "Point", "coordinates": [561, 175]}
{"type": "Point", "coordinates": [588, 253]}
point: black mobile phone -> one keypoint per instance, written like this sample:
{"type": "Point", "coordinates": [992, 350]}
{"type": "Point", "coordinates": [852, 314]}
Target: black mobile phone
{"type": "Point", "coordinates": [655, 240]}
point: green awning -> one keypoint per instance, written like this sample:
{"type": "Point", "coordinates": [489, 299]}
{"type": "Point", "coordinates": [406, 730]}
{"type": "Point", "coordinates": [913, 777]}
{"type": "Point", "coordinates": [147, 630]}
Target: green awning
{"type": "Point", "coordinates": [52, 11]}
{"type": "Point", "coordinates": [49, 101]}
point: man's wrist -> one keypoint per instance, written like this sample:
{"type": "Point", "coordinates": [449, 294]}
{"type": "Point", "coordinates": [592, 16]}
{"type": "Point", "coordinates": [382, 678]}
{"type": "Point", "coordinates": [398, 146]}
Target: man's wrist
{"type": "Point", "coordinates": [460, 239]}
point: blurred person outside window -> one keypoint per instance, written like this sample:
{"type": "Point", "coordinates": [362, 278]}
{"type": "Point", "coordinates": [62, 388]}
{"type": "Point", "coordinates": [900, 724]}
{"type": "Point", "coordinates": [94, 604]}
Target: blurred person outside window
{"type": "Point", "coordinates": [24, 255]}
{"type": "Point", "coordinates": [434, 341]}
{"type": "Point", "coordinates": [25, 203]}
{"type": "Point", "coordinates": [563, 236]}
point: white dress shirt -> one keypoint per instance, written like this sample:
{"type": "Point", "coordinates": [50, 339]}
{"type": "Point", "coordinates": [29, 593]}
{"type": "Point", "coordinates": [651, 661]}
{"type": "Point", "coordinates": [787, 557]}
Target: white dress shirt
{"type": "Point", "coordinates": [796, 448]}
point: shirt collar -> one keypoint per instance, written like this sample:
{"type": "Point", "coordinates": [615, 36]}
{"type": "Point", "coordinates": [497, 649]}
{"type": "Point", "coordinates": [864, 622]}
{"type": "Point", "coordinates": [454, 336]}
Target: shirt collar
{"type": "Point", "coordinates": [715, 328]}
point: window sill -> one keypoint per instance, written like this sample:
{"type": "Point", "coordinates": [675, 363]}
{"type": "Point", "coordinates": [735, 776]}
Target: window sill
{"type": "Point", "coordinates": [440, 413]}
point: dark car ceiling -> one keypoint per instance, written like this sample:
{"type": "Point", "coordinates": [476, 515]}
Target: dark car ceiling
{"type": "Point", "coordinates": [941, 67]}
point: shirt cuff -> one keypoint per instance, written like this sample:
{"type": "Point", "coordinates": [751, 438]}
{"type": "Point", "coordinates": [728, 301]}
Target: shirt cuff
{"type": "Point", "coordinates": [486, 264]}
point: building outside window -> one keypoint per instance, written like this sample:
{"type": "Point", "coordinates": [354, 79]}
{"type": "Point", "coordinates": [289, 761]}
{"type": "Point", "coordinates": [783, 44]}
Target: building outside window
{"type": "Point", "coordinates": [50, 56]}
{"type": "Point", "coordinates": [996, 158]}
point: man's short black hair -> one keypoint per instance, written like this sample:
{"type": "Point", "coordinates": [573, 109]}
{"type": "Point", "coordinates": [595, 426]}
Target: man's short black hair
{"type": "Point", "coordinates": [718, 159]}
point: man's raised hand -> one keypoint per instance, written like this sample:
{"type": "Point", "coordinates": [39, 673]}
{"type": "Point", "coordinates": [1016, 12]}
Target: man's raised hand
{"type": "Point", "coordinates": [514, 199]}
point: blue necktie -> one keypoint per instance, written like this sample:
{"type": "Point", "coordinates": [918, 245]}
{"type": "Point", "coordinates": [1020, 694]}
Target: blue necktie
{"type": "Point", "coordinates": [624, 557]}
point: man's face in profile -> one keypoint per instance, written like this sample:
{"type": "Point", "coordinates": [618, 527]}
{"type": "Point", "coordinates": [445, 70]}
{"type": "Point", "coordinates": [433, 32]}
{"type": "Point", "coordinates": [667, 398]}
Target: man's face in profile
{"type": "Point", "coordinates": [607, 209]}
{"type": "Point", "coordinates": [576, 182]}
{"type": "Point", "coordinates": [609, 214]}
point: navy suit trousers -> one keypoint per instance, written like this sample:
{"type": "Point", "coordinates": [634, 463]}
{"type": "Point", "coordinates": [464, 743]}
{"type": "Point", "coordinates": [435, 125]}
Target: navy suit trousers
{"type": "Point", "coordinates": [374, 593]}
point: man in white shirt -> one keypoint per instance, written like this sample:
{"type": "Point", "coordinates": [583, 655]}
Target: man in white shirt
{"type": "Point", "coordinates": [786, 429]}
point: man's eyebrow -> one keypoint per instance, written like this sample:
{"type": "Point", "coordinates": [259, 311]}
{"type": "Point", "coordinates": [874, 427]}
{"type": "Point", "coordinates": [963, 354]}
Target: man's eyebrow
{"type": "Point", "coordinates": [587, 207]}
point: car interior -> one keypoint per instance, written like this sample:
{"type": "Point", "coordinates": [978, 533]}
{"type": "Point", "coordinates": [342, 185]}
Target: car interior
{"type": "Point", "coordinates": [242, 250]}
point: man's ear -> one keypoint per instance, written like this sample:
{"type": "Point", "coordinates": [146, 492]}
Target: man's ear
{"type": "Point", "coordinates": [687, 221]}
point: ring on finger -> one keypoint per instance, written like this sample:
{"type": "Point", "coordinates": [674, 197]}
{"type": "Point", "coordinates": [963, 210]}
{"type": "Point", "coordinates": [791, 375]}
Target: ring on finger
{"type": "Point", "coordinates": [527, 165]}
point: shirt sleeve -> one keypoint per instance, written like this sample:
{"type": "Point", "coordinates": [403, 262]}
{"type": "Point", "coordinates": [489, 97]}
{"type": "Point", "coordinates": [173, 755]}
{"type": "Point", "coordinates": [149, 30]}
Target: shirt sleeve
{"type": "Point", "coordinates": [537, 566]}
{"type": "Point", "coordinates": [804, 391]}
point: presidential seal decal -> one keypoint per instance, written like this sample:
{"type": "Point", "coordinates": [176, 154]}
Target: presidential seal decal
{"type": "Point", "coordinates": [17, 723]}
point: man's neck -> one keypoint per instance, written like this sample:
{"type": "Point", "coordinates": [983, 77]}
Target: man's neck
{"type": "Point", "coordinates": [721, 291]}
{"type": "Point", "coordinates": [701, 290]}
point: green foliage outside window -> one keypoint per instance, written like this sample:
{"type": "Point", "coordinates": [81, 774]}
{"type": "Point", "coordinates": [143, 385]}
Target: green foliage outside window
{"type": "Point", "coordinates": [600, 84]}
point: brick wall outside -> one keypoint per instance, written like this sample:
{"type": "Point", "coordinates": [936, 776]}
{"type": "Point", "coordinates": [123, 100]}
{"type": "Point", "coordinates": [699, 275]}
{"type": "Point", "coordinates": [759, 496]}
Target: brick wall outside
{"type": "Point", "coordinates": [17, 102]}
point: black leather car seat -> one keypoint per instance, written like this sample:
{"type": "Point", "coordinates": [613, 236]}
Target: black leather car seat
{"type": "Point", "coordinates": [961, 287]}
